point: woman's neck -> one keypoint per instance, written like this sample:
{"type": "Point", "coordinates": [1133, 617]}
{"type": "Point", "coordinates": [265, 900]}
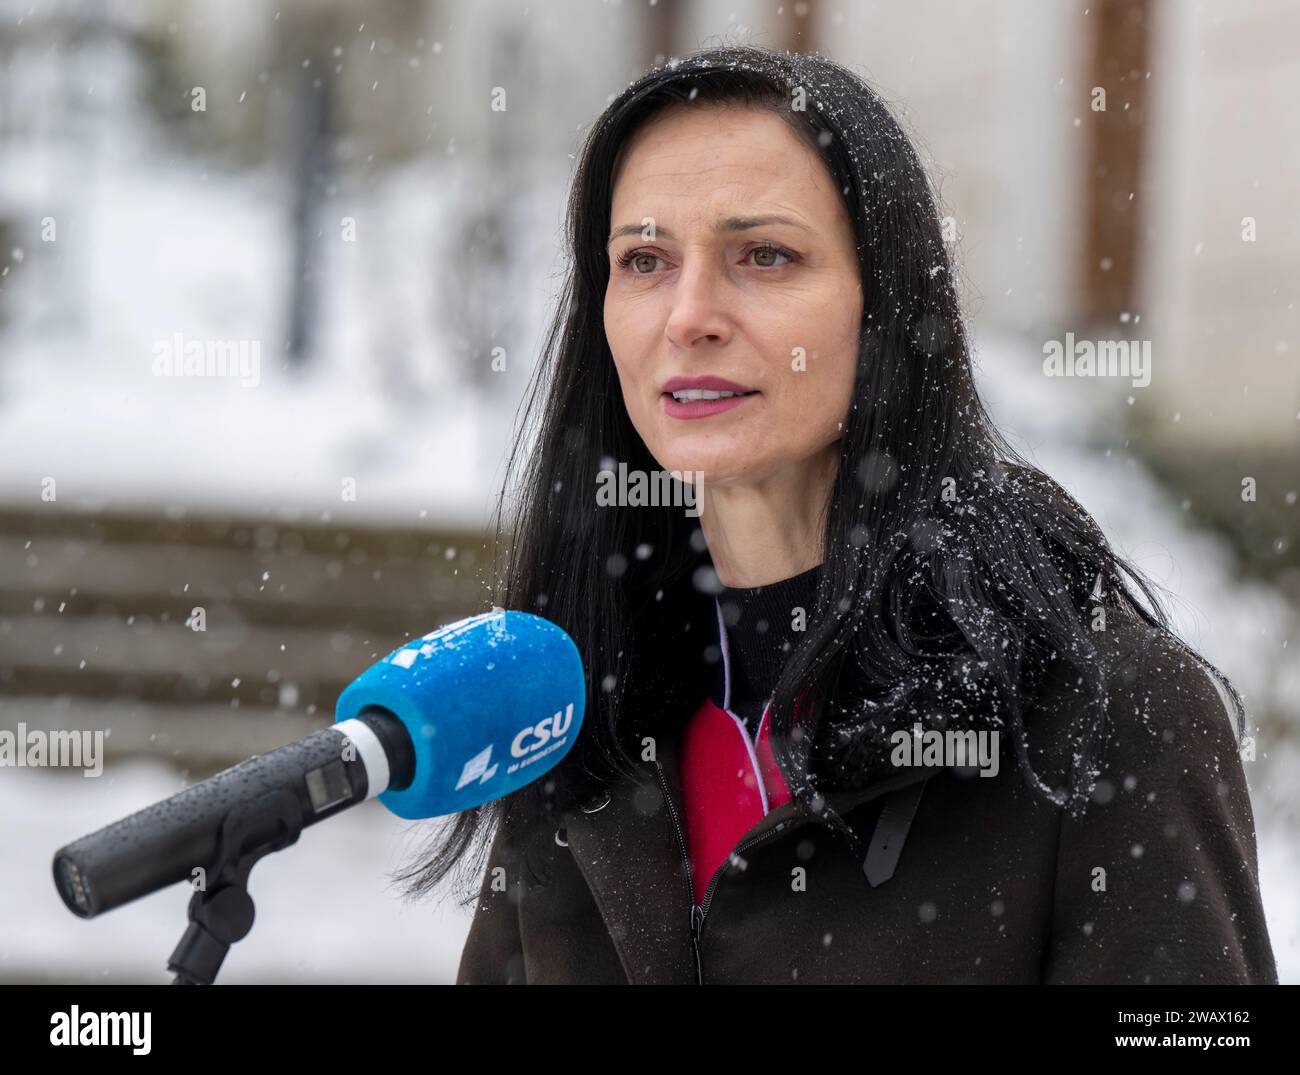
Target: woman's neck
{"type": "Point", "coordinates": [772, 529]}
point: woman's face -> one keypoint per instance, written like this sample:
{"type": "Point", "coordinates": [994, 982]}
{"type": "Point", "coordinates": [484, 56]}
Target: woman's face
{"type": "Point", "coordinates": [745, 279]}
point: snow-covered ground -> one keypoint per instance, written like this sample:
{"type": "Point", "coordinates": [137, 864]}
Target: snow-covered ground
{"type": "Point", "coordinates": [159, 248]}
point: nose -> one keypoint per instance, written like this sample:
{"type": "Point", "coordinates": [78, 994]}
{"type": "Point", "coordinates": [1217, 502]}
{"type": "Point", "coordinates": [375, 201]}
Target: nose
{"type": "Point", "coordinates": [699, 312]}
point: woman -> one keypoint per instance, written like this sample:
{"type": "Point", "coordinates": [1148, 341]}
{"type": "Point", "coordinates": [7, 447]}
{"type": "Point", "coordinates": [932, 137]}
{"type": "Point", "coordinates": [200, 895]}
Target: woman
{"type": "Point", "coordinates": [761, 302]}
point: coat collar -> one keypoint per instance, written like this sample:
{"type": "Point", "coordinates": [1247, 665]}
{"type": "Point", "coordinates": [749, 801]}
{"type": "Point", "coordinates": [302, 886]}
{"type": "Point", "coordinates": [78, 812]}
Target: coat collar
{"type": "Point", "coordinates": [629, 844]}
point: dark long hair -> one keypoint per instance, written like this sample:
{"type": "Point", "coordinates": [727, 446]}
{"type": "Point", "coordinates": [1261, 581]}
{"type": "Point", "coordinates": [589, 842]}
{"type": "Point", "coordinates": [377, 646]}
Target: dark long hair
{"type": "Point", "coordinates": [953, 570]}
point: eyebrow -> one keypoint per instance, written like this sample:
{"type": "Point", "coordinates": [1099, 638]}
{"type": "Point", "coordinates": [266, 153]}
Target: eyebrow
{"type": "Point", "coordinates": [726, 224]}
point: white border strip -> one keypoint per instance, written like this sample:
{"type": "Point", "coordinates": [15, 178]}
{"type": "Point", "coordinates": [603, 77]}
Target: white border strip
{"type": "Point", "coordinates": [372, 754]}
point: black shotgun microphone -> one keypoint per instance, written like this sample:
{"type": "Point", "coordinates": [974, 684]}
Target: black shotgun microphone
{"type": "Point", "coordinates": [467, 714]}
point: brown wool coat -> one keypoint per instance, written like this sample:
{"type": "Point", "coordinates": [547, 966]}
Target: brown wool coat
{"type": "Point", "coordinates": [994, 884]}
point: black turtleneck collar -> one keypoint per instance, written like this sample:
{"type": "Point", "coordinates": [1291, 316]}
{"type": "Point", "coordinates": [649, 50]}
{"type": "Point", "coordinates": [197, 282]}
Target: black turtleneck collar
{"type": "Point", "coordinates": [760, 637]}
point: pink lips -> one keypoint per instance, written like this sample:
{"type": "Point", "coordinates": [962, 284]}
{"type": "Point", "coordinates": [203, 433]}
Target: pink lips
{"type": "Point", "coordinates": [703, 408]}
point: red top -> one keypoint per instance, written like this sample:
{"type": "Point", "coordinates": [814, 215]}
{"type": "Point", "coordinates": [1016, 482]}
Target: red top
{"type": "Point", "coordinates": [721, 786]}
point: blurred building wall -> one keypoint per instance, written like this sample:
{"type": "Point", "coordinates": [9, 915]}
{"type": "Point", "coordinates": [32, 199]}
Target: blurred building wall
{"type": "Point", "coordinates": [997, 95]}
{"type": "Point", "coordinates": [995, 92]}
{"type": "Point", "coordinates": [1224, 146]}
{"type": "Point", "coordinates": [989, 92]}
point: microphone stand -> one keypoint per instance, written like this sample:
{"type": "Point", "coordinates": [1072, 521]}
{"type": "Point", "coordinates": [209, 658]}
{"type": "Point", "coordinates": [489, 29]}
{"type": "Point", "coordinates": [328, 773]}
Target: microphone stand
{"type": "Point", "coordinates": [222, 913]}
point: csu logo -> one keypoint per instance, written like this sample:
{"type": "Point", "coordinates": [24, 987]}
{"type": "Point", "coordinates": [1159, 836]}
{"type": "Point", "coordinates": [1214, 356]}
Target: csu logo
{"type": "Point", "coordinates": [479, 768]}
{"type": "Point", "coordinates": [538, 735]}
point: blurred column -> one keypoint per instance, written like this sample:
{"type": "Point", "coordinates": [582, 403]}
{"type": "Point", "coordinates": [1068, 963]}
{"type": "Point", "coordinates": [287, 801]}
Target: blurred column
{"type": "Point", "coordinates": [482, 278]}
{"type": "Point", "coordinates": [663, 20]}
{"type": "Point", "coordinates": [1117, 64]}
{"type": "Point", "coordinates": [306, 34]}
{"type": "Point", "coordinates": [310, 175]}
{"type": "Point", "coordinates": [797, 26]}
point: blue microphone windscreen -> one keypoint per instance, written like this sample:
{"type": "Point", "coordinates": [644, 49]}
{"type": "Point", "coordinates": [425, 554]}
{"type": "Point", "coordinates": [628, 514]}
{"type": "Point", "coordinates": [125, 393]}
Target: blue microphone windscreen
{"type": "Point", "coordinates": [491, 703]}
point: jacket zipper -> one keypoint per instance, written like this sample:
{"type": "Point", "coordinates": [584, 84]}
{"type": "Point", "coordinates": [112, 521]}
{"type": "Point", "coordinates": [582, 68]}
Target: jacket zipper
{"type": "Point", "coordinates": [698, 913]}
{"type": "Point", "coordinates": [686, 867]}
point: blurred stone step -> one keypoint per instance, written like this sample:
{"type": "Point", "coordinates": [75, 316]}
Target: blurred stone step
{"type": "Point", "coordinates": [101, 655]}
{"type": "Point", "coordinates": [201, 738]}
{"type": "Point", "coordinates": [94, 610]}
{"type": "Point", "coordinates": [263, 581]}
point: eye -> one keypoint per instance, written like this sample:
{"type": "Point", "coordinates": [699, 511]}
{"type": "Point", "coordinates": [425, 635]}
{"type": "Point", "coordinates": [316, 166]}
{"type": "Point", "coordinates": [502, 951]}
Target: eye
{"type": "Point", "coordinates": [768, 250]}
{"type": "Point", "coordinates": [632, 257]}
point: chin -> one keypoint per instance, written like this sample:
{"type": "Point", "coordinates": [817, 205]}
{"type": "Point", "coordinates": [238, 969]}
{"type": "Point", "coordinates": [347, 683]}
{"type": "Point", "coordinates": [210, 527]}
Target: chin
{"type": "Point", "coordinates": [718, 467]}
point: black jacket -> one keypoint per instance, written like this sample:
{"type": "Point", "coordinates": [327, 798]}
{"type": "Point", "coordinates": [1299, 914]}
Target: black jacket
{"type": "Point", "coordinates": [1156, 882]}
